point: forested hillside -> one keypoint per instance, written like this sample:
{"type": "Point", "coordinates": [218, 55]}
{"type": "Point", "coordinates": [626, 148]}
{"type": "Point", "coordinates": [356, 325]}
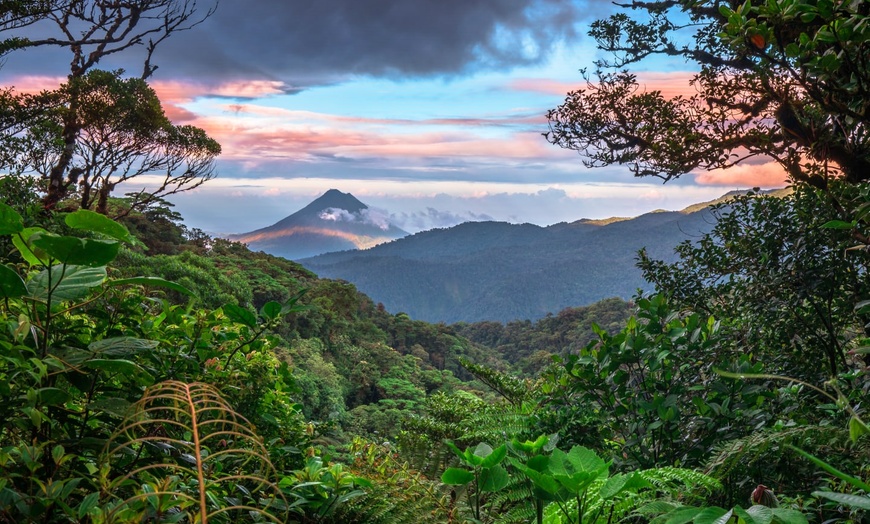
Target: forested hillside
{"type": "Point", "coordinates": [497, 271]}
{"type": "Point", "coordinates": [150, 373]}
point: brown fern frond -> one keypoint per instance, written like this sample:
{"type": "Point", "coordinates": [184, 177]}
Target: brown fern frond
{"type": "Point", "coordinates": [182, 448]}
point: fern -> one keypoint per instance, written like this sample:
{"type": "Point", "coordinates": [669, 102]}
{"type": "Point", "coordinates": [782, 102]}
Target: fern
{"type": "Point", "coordinates": [399, 495]}
{"type": "Point", "coordinates": [183, 449]}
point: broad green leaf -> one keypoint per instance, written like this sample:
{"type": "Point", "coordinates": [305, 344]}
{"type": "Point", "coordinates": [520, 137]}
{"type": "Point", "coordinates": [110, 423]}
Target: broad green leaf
{"type": "Point", "coordinates": [117, 407]}
{"type": "Point", "coordinates": [712, 515]}
{"type": "Point", "coordinates": [123, 367]}
{"type": "Point", "coordinates": [34, 256]}
{"type": "Point", "coordinates": [495, 457]}
{"type": "Point", "coordinates": [87, 504]}
{"type": "Point", "coordinates": [613, 486]}
{"type": "Point", "coordinates": [10, 221]}
{"type": "Point", "coordinates": [483, 450]}
{"type": "Point", "coordinates": [682, 515]}
{"type": "Point", "coordinates": [52, 396]}
{"type": "Point", "coordinates": [77, 251]}
{"type": "Point", "coordinates": [270, 310]}
{"type": "Point", "coordinates": [72, 283]}
{"type": "Point", "coordinates": [493, 479]}
{"type": "Point", "coordinates": [240, 315]}
{"type": "Point", "coordinates": [151, 281]}
{"type": "Point", "coordinates": [584, 459]}
{"type": "Point", "coordinates": [541, 480]}
{"type": "Point", "coordinates": [90, 221]}
{"type": "Point", "coordinates": [757, 514]}
{"type": "Point", "coordinates": [11, 284]}
{"type": "Point", "coordinates": [852, 501]}
{"type": "Point", "coordinates": [121, 346]}
{"type": "Point", "coordinates": [456, 477]}
{"type": "Point", "coordinates": [856, 428]}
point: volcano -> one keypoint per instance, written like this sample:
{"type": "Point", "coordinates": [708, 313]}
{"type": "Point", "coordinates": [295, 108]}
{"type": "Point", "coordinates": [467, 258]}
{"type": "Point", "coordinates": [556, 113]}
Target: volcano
{"type": "Point", "coordinates": [335, 221]}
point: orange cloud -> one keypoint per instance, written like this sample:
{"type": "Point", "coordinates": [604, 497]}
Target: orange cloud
{"type": "Point", "coordinates": [767, 175]}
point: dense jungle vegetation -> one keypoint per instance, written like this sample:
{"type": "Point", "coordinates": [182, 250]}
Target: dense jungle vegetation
{"type": "Point", "coordinates": [149, 373]}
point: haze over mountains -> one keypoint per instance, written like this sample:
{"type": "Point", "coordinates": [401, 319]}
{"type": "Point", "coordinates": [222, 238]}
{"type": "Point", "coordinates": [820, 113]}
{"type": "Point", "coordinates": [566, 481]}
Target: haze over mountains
{"type": "Point", "coordinates": [478, 270]}
{"type": "Point", "coordinates": [498, 271]}
{"type": "Point", "coordinates": [333, 222]}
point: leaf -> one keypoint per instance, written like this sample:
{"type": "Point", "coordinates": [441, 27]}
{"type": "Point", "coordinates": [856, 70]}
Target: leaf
{"type": "Point", "coordinates": [69, 283]}
{"type": "Point", "coordinates": [11, 284]}
{"type": "Point", "coordinates": [456, 477]}
{"type": "Point", "coordinates": [757, 514]}
{"type": "Point", "coordinates": [493, 479]}
{"type": "Point", "coordinates": [77, 251]}
{"type": "Point", "coordinates": [682, 515]}
{"type": "Point", "coordinates": [271, 310]}
{"type": "Point", "coordinates": [88, 503]}
{"type": "Point", "coordinates": [10, 221]}
{"type": "Point", "coordinates": [712, 515]}
{"type": "Point", "coordinates": [613, 486]}
{"type": "Point", "coordinates": [113, 406]}
{"type": "Point", "coordinates": [838, 224]}
{"type": "Point", "coordinates": [788, 516]}
{"type": "Point", "coordinates": [495, 457]}
{"type": "Point", "coordinates": [33, 255]}
{"type": "Point", "coordinates": [852, 501]}
{"type": "Point", "coordinates": [239, 314]}
{"type": "Point", "coordinates": [152, 281]}
{"type": "Point", "coordinates": [857, 428]}
{"type": "Point", "coordinates": [52, 396]}
{"type": "Point", "coordinates": [122, 346]}
{"type": "Point", "coordinates": [88, 220]}
{"type": "Point", "coordinates": [123, 367]}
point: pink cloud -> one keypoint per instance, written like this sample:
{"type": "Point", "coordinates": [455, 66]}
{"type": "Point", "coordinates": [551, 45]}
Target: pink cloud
{"type": "Point", "coordinates": [767, 175]}
{"type": "Point", "coordinates": [670, 84]}
{"type": "Point", "coordinates": [29, 84]}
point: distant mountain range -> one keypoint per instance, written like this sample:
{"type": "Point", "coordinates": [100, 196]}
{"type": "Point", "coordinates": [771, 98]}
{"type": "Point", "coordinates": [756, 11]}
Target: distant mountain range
{"type": "Point", "coordinates": [335, 221]}
{"type": "Point", "coordinates": [498, 271]}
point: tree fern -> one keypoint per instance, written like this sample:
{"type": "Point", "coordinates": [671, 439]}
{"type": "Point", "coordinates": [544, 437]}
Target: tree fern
{"type": "Point", "coordinates": [183, 454]}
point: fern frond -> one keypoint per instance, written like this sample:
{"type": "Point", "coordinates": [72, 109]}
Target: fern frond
{"type": "Point", "coordinates": [729, 456]}
{"type": "Point", "coordinates": [182, 448]}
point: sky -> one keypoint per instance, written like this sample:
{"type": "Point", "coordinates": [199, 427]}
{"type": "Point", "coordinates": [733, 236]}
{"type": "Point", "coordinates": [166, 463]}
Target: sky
{"type": "Point", "coordinates": [429, 111]}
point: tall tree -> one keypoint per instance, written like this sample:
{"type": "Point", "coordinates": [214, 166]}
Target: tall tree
{"type": "Point", "coordinates": [91, 30]}
{"type": "Point", "coordinates": [122, 134]}
{"type": "Point", "coordinates": [788, 80]}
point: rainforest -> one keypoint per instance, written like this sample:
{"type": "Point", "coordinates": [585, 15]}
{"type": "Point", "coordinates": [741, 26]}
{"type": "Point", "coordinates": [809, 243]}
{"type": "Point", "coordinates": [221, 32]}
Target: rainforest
{"type": "Point", "coordinates": [151, 372]}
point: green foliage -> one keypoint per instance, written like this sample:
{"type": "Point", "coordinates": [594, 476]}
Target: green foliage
{"type": "Point", "coordinates": [778, 80]}
{"type": "Point", "coordinates": [320, 491]}
{"type": "Point", "coordinates": [398, 494]}
{"type": "Point", "coordinates": [653, 389]}
{"type": "Point", "coordinates": [786, 284]}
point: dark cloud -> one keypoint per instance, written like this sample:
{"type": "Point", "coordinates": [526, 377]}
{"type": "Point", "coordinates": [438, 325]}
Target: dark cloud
{"type": "Point", "coordinates": [304, 42]}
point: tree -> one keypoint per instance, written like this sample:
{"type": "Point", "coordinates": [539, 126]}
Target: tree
{"type": "Point", "coordinates": [90, 30]}
{"type": "Point", "coordinates": [788, 80]}
{"type": "Point", "coordinates": [787, 284]}
{"type": "Point", "coordinates": [122, 134]}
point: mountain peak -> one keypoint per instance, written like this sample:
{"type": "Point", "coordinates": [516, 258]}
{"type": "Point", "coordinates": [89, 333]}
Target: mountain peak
{"type": "Point", "coordinates": [334, 199]}
{"type": "Point", "coordinates": [335, 221]}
